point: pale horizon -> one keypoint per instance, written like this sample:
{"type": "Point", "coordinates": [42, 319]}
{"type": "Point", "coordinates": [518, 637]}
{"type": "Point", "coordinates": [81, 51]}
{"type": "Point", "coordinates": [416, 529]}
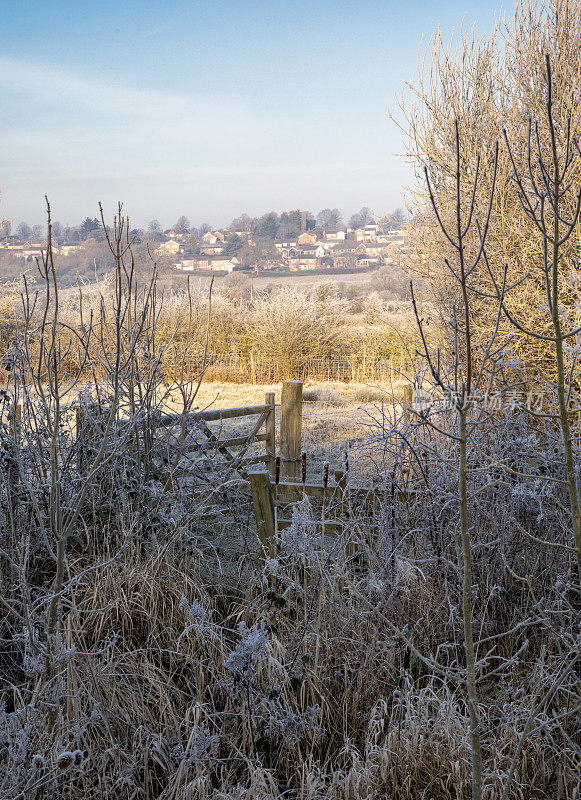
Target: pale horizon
{"type": "Point", "coordinates": [208, 111]}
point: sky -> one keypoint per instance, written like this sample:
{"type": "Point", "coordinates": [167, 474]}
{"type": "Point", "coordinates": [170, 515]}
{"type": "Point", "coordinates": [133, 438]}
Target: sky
{"type": "Point", "coordinates": [209, 109]}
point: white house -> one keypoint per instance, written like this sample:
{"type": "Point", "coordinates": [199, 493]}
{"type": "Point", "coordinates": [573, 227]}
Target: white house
{"type": "Point", "coordinates": [335, 236]}
{"type": "Point", "coordinates": [68, 249]}
{"type": "Point", "coordinates": [371, 230]}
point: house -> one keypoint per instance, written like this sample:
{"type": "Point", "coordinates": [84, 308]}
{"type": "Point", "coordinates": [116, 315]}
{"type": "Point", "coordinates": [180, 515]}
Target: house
{"type": "Point", "coordinates": [300, 263]}
{"type": "Point", "coordinates": [307, 238]}
{"type": "Point", "coordinates": [211, 249]}
{"type": "Point", "coordinates": [347, 257]}
{"type": "Point", "coordinates": [377, 250]}
{"type": "Point", "coordinates": [68, 249]}
{"type": "Point", "coordinates": [15, 249]}
{"type": "Point", "coordinates": [316, 250]}
{"type": "Point", "coordinates": [33, 250]}
{"type": "Point", "coordinates": [394, 254]}
{"type": "Point", "coordinates": [171, 234]}
{"type": "Point", "coordinates": [169, 248]}
{"type": "Point", "coordinates": [27, 250]}
{"type": "Point", "coordinates": [335, 236]}
{"type": "Point", "coordinates": [371, 230]}
{"type": "Point", "coordinates": [225, 264]}
{"type": "Point", "coordinates": [214, 264]}
{"type": "Point", "coordinates": [290, 251]}
{"type": "Point", "coordinates": [360, 250]}
{"type": "Point", "coordinates": [281, 246]}
{"type": "Point", "coordinates": [307, 257]}
{"type": "Point", "coordinates": [213, 237]}
{"type": "Point", "coordinates": [188, 264]}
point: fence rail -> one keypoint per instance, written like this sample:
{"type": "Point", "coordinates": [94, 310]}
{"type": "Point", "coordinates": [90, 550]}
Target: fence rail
{"type": "Point", "coordinates": [262, 369]}
{"type": "Point", "coordinates": [233, 448]}
{"type": "Point", "coordinates": [170, 435]}
{"type": "Point", "coordinates": [340, 499]}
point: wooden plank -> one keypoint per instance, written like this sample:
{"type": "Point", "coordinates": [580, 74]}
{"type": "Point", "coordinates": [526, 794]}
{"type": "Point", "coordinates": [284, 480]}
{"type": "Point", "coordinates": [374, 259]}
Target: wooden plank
{"type": "Point", "coordinates": [234, 462]}
{"type": "Point", "coordinates": [214, 439]}
{"type": "Point", "coordinates": [211, 415]}
{"type": "Point", "coordinates": [296, 490]}
{"type": "Point", "coordinates": [270, 426]}
{"type": "Point", "coordinates": [255, 460]}
{"type": "Point", "coordinates": [264, 510]}
{"type": "Point", "coordinates": [234, 442]}
{"type": "Point", "coordinates": [291, 413]}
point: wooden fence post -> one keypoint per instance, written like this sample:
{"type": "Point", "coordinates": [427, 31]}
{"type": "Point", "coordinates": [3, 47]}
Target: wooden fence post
{"type": "Point", "coordinates": [270, 427]}
{"type": "Point", "coordinates": [291, 414]}
{"type": "Point", "coordinates": [264, 510]}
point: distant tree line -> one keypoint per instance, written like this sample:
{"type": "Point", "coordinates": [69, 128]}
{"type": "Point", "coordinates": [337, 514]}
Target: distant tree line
{"type": "Point", "coordinates": [270, 226]}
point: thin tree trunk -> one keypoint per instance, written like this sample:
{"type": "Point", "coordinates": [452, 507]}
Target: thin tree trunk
{"type": "Point", "coordinates": [467, 616]}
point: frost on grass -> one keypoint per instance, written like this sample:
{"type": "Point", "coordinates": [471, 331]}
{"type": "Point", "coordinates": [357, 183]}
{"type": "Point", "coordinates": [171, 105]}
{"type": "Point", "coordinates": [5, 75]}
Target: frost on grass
{"type": "Point", "coordinates": [297, 539]}
{"type": "Point", "coordinates": [250, 651]}
{"type": "Point", "coordinates": [288, 727]}
{"type": "Point", "coordinates": [200, 748]}
{"type": "Point", "coordinates": [201, 618]}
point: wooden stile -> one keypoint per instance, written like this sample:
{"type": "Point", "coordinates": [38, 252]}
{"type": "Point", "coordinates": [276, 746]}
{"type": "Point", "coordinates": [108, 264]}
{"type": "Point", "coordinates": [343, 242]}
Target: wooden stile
{"type": "Point", "coordinates": [291, 414]}
{"type": "Point", "coordinates": [264, 511]}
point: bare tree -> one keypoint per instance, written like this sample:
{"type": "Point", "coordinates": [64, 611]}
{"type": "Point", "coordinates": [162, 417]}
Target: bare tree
{"type": "Point", "coordinates": [329, 219]}
{"type": "Point", "coordinates": [24, 231]}
{"type": "Point", "coordinates": [361, 218]}
{"type": "Point", "coordinates": [182, 225]}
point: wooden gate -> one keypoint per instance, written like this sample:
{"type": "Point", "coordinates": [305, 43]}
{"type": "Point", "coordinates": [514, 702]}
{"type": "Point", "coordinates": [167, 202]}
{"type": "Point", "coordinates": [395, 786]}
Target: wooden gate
{"type": "Point", "coordinates": [183, 432]}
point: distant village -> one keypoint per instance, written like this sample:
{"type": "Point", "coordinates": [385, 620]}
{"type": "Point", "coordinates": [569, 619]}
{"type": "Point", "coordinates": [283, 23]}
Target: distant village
{"type": "Point", "coordinates": [237, 248]}
{"type": "Point", "coordinates": [344, 249]}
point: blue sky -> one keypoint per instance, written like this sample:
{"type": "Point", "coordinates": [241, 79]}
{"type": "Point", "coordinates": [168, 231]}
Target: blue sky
{"type": "Point", "coordinates": [208, 109]}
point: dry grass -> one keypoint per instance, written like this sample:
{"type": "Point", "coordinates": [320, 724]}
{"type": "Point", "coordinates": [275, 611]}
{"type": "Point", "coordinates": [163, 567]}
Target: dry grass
{"type": "Point", "coordinates": [147, 651]}
{"type": "Point", "coordinates": [285, 681]}
{"type": "Point", "coordinates": [158, 700]}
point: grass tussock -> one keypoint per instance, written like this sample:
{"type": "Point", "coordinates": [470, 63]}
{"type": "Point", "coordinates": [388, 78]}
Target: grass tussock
{"type": "Point", "coordinates": [291, 688]}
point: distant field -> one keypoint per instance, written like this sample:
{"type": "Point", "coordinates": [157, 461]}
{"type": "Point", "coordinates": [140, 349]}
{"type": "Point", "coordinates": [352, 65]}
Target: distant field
{"type": "Point", "coordinates": [263, 280]}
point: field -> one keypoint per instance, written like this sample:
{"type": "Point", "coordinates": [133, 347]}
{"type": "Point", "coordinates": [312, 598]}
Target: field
{"type": "Point", "coordinates": [151, 647]}
{"type": "Point", "coordinates": [361, 281]}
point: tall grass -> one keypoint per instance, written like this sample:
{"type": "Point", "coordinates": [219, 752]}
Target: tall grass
{"type": "Point", "coordinates": [271, 336]}
{"type": "Point", "coordinates": [147, 650]}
